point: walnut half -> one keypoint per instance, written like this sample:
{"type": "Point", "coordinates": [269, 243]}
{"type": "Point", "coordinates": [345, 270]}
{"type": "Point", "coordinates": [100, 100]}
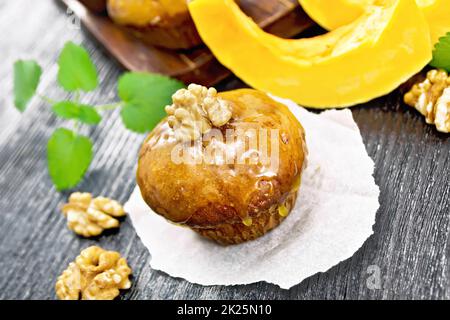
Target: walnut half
{"type": "Point", "coordinates": [96, 274]}
{"type": "Point", "coordinates": [432, 99]}
{"type": "Point", "coordinates": [88, 217]}
{"type": "Point", "coordinates": [195, 111]}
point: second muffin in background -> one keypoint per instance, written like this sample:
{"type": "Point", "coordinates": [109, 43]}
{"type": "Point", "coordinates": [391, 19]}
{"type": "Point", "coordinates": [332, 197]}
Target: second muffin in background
{"type": "Point", "coordinates": [164, 23]}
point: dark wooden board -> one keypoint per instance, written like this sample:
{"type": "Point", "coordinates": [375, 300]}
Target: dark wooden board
{"type": "Point", "coordinates": [282, 17]}
{"type": "Point", "coordinates": [410, 244]}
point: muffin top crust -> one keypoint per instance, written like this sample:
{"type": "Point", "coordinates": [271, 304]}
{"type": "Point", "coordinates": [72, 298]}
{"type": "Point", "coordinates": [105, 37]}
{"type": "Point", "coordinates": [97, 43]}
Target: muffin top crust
{"type": "Point", "coordinates": [209, 190]}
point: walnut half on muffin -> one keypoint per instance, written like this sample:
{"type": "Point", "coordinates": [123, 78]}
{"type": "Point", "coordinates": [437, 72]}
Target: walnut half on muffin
{"type": "Point", "coordinates": [227, 165]}
{"type": "Point", "coordinates": [164, 23]}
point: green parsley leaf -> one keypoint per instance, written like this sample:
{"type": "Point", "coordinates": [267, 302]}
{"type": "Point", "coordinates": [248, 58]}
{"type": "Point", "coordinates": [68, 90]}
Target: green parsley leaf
{"type": "Point", "coordinates": [76, 69]}
{"type": "Point", "coordinates": [441, 53]}
{"type": "Point", "coordinates": [26, 80]}
{"type": "Point", "coordinates": [69, 156]}
{"type": "Point", "coordinates": [145, 95]}
{"type": "Point", "coordinates": [71, 110]}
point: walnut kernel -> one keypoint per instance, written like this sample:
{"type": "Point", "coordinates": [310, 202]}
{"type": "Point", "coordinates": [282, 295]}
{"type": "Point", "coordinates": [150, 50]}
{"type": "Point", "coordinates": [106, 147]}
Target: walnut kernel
{"type": "Point", "coordinates": [195, 111]}
{"type": "Point", "coordinates": [432, 99]}
{"type": "Point", "coordinates": [96, 274]}
{"type": "Point", "coordinates": [88, 217]}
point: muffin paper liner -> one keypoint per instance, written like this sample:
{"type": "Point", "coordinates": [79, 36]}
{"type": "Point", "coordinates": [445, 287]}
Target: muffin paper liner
{"type": "Point", "coordinates": [333, 216]}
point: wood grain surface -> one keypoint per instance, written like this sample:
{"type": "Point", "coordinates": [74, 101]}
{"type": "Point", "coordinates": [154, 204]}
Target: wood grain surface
{"type": "Point", "coordinates": [410, 244]}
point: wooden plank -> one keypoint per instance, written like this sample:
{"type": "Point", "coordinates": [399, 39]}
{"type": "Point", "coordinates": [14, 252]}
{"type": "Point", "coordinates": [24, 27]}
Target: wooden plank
{"type": "Point", "coordinates": [282, 17]}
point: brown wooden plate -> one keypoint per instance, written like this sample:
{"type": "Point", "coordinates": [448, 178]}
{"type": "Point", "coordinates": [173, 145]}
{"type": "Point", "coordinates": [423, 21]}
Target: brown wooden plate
{"type": "Point", "coordinates": [284, 18]}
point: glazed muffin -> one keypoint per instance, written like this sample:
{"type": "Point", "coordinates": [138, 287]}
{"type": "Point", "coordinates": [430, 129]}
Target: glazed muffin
{"type": "Point", "coordinates": [226, 165]}
{"type": "Point", "coordinates": [164, 23]}
{"type": "Point", "coordinates": [97, 6]}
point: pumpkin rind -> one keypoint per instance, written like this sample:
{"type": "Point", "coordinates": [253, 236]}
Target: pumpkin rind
{"type": "Point", "coordinates": [334, 14]}
{"type": "Point", "coordinates": [351, 65]}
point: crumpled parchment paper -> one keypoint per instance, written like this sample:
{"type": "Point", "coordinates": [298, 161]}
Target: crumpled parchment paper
{"type": "Point", "coordinates": [333, 216]}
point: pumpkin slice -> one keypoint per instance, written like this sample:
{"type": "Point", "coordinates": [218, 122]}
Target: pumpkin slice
{"type": "Point", "coordinates": [437, 13]}
{"type": "Point", "coordinates": [337, 13]}
{"type": "Point", "coordinates": [353, 64]}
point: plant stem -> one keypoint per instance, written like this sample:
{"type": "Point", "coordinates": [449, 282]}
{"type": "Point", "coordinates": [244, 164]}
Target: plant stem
{"type": "Point", "coordinates": [107, 107]}
{"type": "Point", "coordinates": [46, 99]}
{"type": "Point", "coordinates": [77, 97]}
{"type": "Point", "coordinates": [76, 126]}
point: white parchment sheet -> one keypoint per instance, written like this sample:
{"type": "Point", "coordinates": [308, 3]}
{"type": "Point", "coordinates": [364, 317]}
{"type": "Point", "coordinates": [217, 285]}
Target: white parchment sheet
{"type": "Point", "coordinates": [333, 216]}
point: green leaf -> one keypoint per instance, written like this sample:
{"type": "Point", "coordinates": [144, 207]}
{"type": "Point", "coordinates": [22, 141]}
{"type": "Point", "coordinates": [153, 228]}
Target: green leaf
{"type": "Point", "coordinates": [145, 95]}
{"type": "Point", "coordinates": [69, 156]}
{"type": "Point", "coordinates": [66, 109]}
{"type": "Point", "coordinates": [71, 110]}
{"type": "Point", "coordinates": [138, 118]}
{"type": "Point", "coordinates": [89, 115]}
{"type": "Point", "coordinates": [441, 53]}
{"type": "Point", "coordinates": [26, 80]}
{"type": "Point", "coordinates": [76, 69]}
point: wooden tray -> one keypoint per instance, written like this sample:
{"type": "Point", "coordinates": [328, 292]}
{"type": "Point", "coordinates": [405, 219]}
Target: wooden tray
{"type": "Point", "coordinates": [284, 18]}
